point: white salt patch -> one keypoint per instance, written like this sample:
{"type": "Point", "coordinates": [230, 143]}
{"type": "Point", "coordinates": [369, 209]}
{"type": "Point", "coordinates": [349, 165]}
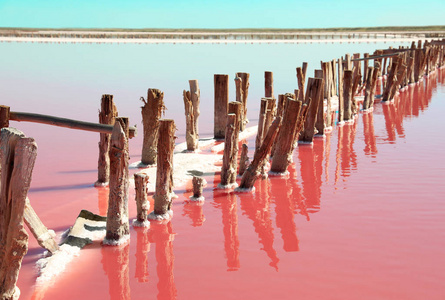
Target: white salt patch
{"type": "Point", "coordinates": [144, 223]}
{"type": "Point", "coordinates": [47, 235]}
{"type": "Point", "coordinates": [279, 174]}
{"type": "Point", "coordinates": [101, 184]}
{"type": "Point", "coordinates": [227, 186]}
{"type": "Point", "coordinates": [197, 199]}
{"type": "Point", "coordinates": [121, 241]}
{"type": "Point", "coordinates": [52, 266]}
{"type": "Point", "coordinates": [167, 216]}
{"type": "Point", "coordinates": [366, 111]}
{"type": "Point", "coordinates": [341, 123]}
{"type": "Point", "coordinates": [16, 294]}
{"type": "Point", "coordinates": [328, 129]}
{"type": "Point", "coordinates": [388, 102]}
{"type": "Point", "coordinates": [349, 122]}
{"type": "Point", "coordinates": [245, 190]}
{"type": "Point", "coordinates": [320, 136]}
{"type": "Point", "coordinates": [305, 143]}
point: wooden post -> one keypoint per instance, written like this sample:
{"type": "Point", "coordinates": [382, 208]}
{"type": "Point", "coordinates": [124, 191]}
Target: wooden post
{"type": "Point", "coordinates": [107, 114]}
{"type": "Point", "coordinates": [365, 67]}
{"type": "Point", "coordinates": [320, 120]}
{"type": "Point", "coordinates": [261, 120]}
{"type": "Point", "coordinates": [198, 183]}
{"type": "Point", "coordinates": [374, 81]}
{"type": "Point", "coordinates": [228, 173]}
{"type": "Point", "coordinates": [151, 113]}
{"type": "Point", "coordinates": [268, 84]}
{"type": "Point", "coordinates": [253, 171]}
{"type": "Point", "coordinates": [118, 229]}
{"type": "Point", "coordinates": [341, 108]}
{"type": "Point", "coordinates": [221, 100]}
{"type": "Point", "coordinates": [367, 99]}
{"type": "Point", "coordinates": [4, 116]}
{"type": "Point", "coordinates": [301, 76]}
{"type": "Point", "coordinates": [244, 160]}
{"type": "Point", "coordinates": [191, 135]}
{"type": "Point", "coordinates": [17, 157]}
{"type": "Point", "coordinates": [142, 204]}
{"type": "Point", "coordinates": [245, 88]}
{"type": "Point", "coordinates": [282, 156]}
{"type": "Point", "coordinates": [347, 63]}
{"type": "Point", "coordinates": [164, 173]}
{"type": "Point", "coordinates": [195, 96]}
{"type": "Point", "coordinates": [391, 80]}
{"type": "Point", "coordinates": [315, 93]}
{"type": "Point", "coordinates": [347, 95]}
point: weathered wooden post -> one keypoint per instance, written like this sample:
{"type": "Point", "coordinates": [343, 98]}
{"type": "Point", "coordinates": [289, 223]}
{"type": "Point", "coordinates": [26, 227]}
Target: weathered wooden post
{"type": "Point", "coordinates": [4, 116]}
{"type": "Point", "coordinates": [221, 100]}
{"type": "Point", "coordinates": [268, 84]}
{"type": "Point", "coordinates": [391, 80]}
{"type": "Point", "coordinates": [142, 204]}
{"type": "Point", "coordinates": [198, 184]}
{"type": "Point", "coordinates": [245, 88]}
{"type": "Point", "coordinates": [367, 100]}
{"type": "Point", "coordinates": [228, 174]}
{"type": "Point", "coordinates": [164, 173]}
{"type": "Point", "coordinates": [254, 169]}
{"type": "Point", "coordinates": [107, 114]}
{"type": "Point", "coordinates": [347, 95]}
{"type": "Point", "coordinates": [191, 135]}
{"type": "Point", "coordinates": [151, 113]}
{"type": "Point", "coordinates": [282, 156]}
{"type": "Point", "coordinates": [118, 229]}
{"type": "Point", "coordinates": [314, 92]}
{"type": "Point", "coordinates": [244, 160]}
{"type": "Point", "coordinates": [301, 76]}
{"type": "Point", "coordinates": [340, 92]}
{"type": "Point", "coordinates": [17, 157]}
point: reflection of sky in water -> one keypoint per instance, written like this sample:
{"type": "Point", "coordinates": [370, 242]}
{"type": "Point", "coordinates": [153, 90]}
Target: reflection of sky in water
{"type": "Point", "coordinates": [70, 78]}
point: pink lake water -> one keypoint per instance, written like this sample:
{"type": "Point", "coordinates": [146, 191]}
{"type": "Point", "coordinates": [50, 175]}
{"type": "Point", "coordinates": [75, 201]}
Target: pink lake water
{"type": "Point", "coordinates": [360, 216]}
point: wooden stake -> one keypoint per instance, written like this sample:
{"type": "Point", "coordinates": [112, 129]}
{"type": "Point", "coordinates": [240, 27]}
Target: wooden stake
{"type": "Point", "coordinates": [245, 88]}
{"type": "Point", "coordinates": [268, 84]}
{"type": "Point", "coordinates": [315, 93]}
{"type": "Point", "coordinates": [198, 183]}
{"type": "Point", "coordinates": [117, 216]}
{"type": "Point", "coordinates": [253, 171]}
{"type": "Point", "coordinates": [195, 97]}
{"type": "Point", "coordinates": [164, 173]}
{"type": "Point", "coordinates": [17, 157]}
{"type": "Point", "coordinates": [142, 204]}
{"type": "Point", "coordinates": [107, 114]}
{"type": "Point", "coordinates": [244, 160]}
{"type": "Point", "coordinates": [282, 156]}
{"type": "Point", "coordinates": [221, 100]}
{"type": "Point", "coordinates": [228, 174]}
{"type": "Point", "coordinates": [191, 135]}
{"type": "Point", "coordinates": [301, 76]}
{"type": "Point", "coordinates": [391, 80]}
{"type": "Point", "coordinates": [367, 99]}
{"type": "Point", "coordinates": [341, 109]}
{"type": "Point", "coordinates": [4, 116]}
{"type": "Point", "coordinates": [151, 113]}
{"type": "Point", "coordinates": [347, 95]}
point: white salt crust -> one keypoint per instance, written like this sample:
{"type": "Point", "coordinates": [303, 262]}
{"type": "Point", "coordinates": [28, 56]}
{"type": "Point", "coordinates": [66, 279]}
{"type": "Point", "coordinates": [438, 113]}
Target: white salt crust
{"type": "Point", "coordinates": [305, 143]}
{"type": "Point", "coordinates": [242, 190]}
{"type": "Point", "coordinates": [123, 240]}
{"type": "Point", "coordinates": [320, 136]}
{"type": "Point", "coordinates": [279, 174]}
{"type": "Point", "coordinates": [328, 129]}
{"type": "Point", "coordinates": [145, 223]}
{"type": "Point", "coordinates": [155, 217]}
{"type": "Point", "coordinates": [367, 111]}
{"type": "Point", "coordinates": [197, 199]}
{"type": "Point", "coordinates": [54, 265]}
{"type": "Point", "coordinates": [227, 186]}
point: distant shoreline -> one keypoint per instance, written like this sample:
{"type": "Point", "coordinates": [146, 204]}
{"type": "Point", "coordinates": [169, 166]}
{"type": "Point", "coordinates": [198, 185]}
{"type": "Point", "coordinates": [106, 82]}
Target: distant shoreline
{"type": "Point", "coordinates": [145, 36]}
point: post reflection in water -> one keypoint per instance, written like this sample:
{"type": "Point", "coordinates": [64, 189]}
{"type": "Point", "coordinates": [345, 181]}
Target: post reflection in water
{"type": "Point", "coordinates": [142, 250]}
{"type": "Point", "coordinates": [311, 170]}
{"type": "Point", "coordinates": [115, 262]}
{"type": "Point", "coordinates": [368, 133]}
{"type": "Point", "coordinates": [162, 235]}
{"type": "Point", "coordinates": [228, 204]}
{"type": "Point", "coordinates": [257, 209]}
{"type": "Point", "coordinates": [284, 209]}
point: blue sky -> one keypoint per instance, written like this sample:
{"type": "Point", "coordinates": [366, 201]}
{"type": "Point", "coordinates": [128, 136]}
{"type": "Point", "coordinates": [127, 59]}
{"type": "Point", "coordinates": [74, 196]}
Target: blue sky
{"type": "Point", "coordinates": [219, 14]}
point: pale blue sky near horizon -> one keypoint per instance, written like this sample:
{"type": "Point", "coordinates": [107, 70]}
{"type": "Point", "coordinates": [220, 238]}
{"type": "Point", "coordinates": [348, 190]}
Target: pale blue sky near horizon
{"type": "Point", "coordinates": [219, 13]}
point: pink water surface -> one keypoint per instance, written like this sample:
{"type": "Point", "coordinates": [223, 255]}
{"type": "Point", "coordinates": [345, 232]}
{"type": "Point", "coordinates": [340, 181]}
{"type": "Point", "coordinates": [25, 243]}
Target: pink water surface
{"type": "Point", "coordinates": [360, 216]}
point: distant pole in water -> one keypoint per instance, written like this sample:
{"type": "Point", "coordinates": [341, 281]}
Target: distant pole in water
{"type": "Point", "coordinates": [151, 114]}
{"type": "Point", "coordinates": [117, 216]}
{"type": "Point", "coordinates": [107, 114]}
{"type": "Point", "coordinates": [221, 100]}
